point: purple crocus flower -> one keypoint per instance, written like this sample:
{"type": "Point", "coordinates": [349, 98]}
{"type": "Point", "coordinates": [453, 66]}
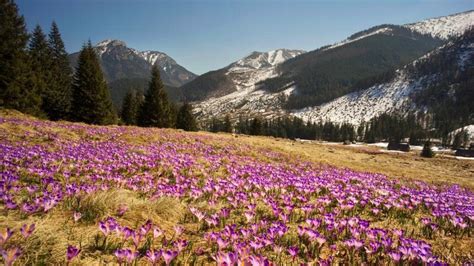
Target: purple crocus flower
{"type": "Point", "coordinates": [72, 252]}
{"type": "Point", "coordinates": [157, 232]}
{"type": "Point", "coordinates": [181, 244]}
{"type": "Point", "coordinates": [77, 216]}
{"type": "Point", "coordinates": [258, 261]}
{"type": "Point", "coordinates": [10, 255]}
{"type": "Point", "coordinates": [293, 251]}
{"type": "Point", "coordinates": [27, 230]}
{"type": "Point", "coordinates": [225, 258]}
{"type": "Point", "coordinates": [103, 227]}
{"type": "Point", "coordinates": [395, 256]}
{"type": "Point", "coordinates": [10, 204]}
{"type": "Point", "coordinates": [122, 209]}
{"type": "Point", "coordinates": [169, 255]}
{"type": "Point", "coordinates": [153, 256]}
{"type": "Point", "coordinates": [178, 230]}
{"type": "Point", "coordinates": [5, 235]}
{"type": "Point", "coordinates": [125, 255]}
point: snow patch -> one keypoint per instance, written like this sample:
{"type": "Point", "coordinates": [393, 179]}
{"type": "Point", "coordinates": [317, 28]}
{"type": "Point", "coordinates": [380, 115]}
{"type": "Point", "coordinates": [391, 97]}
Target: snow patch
{"type": "Point", "coordinates": [445, 27]}
{"type": "Point", "coordinates": [153, 56]}
{"type": "Point", "coordinates": [468, 129]}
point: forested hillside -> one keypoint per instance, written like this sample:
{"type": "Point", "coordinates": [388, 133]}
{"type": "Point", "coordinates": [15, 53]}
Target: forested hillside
{"type": "Point", "coordinates": [330, 72]}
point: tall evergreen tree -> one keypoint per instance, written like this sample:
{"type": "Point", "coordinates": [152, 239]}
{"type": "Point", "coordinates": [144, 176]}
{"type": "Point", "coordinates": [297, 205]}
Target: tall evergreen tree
{"type": "Point", "coordinates": [173, 114]}
{"type": "Point", "coordinates": [256, 127]}
{"type": "Point", "coordinates": [156, 110]}
{"type": "Point", "coordinates": [91, 97]}
{"type": "Point", "coordinates": [227, 124]}
{"type": "Point", "coordinates": [427, 151]}
{"type": "Point", "coordinates": [40, 57]}
{"type": "Point", "coordinates": [185, 119]}
{"type": "Point", "coordinates": [17, 87]}
{"type": "Point", "coordinates": [130, 108]}
{"type": "Point", "coordinates": [59, 97]}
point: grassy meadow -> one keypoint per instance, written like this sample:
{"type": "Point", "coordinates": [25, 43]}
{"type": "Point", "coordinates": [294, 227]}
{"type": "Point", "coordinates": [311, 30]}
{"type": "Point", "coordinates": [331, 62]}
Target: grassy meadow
{"type": "Point", "coordinates": [93, 195]}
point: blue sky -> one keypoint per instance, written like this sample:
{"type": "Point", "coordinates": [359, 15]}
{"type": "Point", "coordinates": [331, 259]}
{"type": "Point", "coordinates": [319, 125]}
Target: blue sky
{"type": "Point", "coordinates": [204, 35]}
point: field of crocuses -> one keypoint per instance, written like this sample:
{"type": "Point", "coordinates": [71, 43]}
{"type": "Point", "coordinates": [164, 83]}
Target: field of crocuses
{"type": "Point", "coordinates": [87, 195]}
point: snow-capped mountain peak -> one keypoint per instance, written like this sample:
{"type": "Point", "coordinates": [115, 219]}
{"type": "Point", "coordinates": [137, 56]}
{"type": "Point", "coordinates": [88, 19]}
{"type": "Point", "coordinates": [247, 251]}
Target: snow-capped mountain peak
{"type": "Point", "coordinates": [445, 27]}
{"type": "Point", "coordinates": [110, 42]}
{"type": "Point", "coordinates": [259, 60]}
{"type": "Point", "coordinates": [258, 66]}
{"type": "Point", "coordinates": [105, 45]}
{"type": "Point", "coordinates": [153, 56]}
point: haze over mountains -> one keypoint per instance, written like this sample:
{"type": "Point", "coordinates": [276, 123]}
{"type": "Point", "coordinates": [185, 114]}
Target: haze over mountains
{"type": "Point", "coordinates": [351, 81]}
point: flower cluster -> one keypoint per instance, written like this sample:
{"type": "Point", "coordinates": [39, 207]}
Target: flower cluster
{"type": "Point", "coordinates": [245, 205]}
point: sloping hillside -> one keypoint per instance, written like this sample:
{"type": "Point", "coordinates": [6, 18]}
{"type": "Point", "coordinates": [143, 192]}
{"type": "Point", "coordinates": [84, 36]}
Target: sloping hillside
{"type": "Point", "coordinates": [330, 72]}
{"type": "Point", "coordinates": [438, 81]}
{"type": "Point", "coordinates": [240, 76]}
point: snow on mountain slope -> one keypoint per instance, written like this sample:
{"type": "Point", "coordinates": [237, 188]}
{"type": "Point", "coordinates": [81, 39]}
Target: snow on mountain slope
{"type": "Point", "coordinates": [259, 60]}
{"type": "Point", "coordinates": [246, 102]}
{"type": "Point", "coordinates": [168, 65]}
{"type": "Point", "coordinates": [105, 45]}
{"type": "Point", "coordinates": [153, 56]}
{"type": "Point", "coordinates": [245, 74]}
{"type": "Point", "coordinates": [445, 27]}
{"type": "Point", "coordinates": [468, 129]}
{"type": "Point", "coordinates": [258, 66]}
{"type": "Point", "coordinates": [357, 107]}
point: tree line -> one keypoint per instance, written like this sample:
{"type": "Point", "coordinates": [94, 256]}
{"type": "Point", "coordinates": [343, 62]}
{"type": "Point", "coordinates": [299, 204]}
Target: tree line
{"type": "Point", "coordinates": [416, 129]}
{"type": "Point", "coordinates": [36, 78]}
{"type": "Point", "coordinates": [285, 127]}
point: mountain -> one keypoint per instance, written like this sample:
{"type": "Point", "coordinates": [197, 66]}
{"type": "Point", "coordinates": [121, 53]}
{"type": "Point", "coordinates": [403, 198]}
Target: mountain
{"type": "Point", "coordinates": [126, 68]}
{"type": "Point", "coordinates": [309, 85]}
{"type": "Point", "coordinates": [441, 82]}
{"type": "Point", "coordinates": [238, 77]}
{"type": "Point", "coordinates": [327, 73]}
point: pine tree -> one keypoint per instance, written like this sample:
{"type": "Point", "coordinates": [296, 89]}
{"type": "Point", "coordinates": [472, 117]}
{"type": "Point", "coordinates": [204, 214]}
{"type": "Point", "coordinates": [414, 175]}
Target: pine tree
{"type": "Point", "coordinates": [173, 114]}
{"type": "Point", "coordinates": [186, 118]}
{"type": "Point", "coordinates": [91, 97]}
{"type": "Point", "coordinates": [227, 124]}
{"type": "Point", "coordinates": [214, 125]}
{"type": "Point", "coordinates": [40, 58]}
{"type": "Point", "coordinates": [156, 110]}
{"type": "Point", "coordinates": [17, 87]}
{"type": "Point", "coordinates": [427, 151]}
{"type": "Point", "coordinates": [59, 97]}
{"type": "Point", "coordinates": [130, 108]}
{"type": "Point", "coordinates": [256, 127]}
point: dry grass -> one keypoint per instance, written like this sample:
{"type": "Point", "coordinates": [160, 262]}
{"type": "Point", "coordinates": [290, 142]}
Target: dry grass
{"type": "Point", "coordinates": [57, 229]}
